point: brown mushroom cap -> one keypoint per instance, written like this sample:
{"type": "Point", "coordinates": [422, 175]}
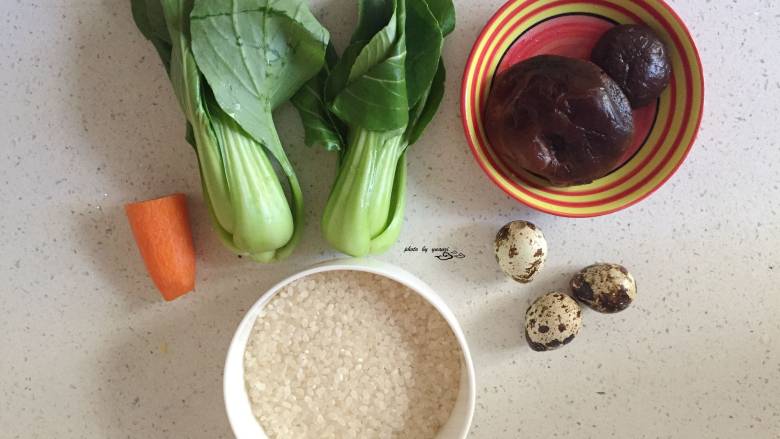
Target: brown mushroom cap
{"type": "Point", "coordinates": [561, 118]}
{"type": "Point", "coordinates": [636, 58]}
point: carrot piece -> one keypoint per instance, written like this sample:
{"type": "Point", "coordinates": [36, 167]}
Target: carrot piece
{"type": "Point", "coordinates": [162, 232]}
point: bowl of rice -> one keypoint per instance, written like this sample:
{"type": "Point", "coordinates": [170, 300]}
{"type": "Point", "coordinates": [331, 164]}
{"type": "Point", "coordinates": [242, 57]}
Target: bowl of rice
{"type": "Point", "coordinates": [350, 349]}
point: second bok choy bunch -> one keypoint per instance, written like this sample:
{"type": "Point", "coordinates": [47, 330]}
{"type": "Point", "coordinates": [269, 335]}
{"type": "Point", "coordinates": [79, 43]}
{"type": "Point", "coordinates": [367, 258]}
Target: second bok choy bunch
{"type": "Point", "coordinates": [370, 105]}
{"type": "Point", "coordinates": [231, 63]}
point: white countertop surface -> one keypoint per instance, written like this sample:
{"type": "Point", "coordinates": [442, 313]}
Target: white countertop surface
{"type": "Point", "coordinates": [89, 350]}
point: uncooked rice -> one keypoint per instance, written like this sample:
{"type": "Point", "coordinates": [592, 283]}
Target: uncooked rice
{"type": "Point", "coordinates": [347, 354]}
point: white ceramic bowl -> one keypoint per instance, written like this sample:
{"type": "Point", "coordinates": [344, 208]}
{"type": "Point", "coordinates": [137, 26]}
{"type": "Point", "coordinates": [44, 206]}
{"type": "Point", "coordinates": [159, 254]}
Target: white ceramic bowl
{"type": "Point", "coordinates": [244, 423]}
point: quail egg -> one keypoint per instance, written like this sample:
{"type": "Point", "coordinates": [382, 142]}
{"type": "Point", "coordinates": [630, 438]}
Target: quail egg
{"type": "Point", "coordinates": [607, 288]}
{"type": "Point", "coordinates": [552, 321]}
{"type": "Point", "coordinates": [520, 250]}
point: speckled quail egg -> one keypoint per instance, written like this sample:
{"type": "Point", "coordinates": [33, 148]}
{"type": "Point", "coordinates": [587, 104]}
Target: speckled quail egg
{"type": "Point", "coordinates": [552, 321]}
{"type": "Point", "coordinates": [607, 288]}
{"type": "Point", "coordinates": [520, 250]}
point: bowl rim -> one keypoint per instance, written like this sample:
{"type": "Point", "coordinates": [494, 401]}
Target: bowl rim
{"type": "Point", "coordinates": [235, 354]}
{"type": "Point", "coordinates": [464, 116]}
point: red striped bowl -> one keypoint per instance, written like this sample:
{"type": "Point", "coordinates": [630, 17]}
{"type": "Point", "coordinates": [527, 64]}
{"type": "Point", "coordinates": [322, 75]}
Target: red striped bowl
{"type": "Point", "coordinates": [665, 131]}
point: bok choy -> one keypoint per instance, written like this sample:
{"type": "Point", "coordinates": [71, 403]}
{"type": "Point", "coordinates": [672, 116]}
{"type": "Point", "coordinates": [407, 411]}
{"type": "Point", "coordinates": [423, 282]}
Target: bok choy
{"type": "Point", "coordinates": [371, 105]}
{"type": "Point", "coordinates": [231, 63]}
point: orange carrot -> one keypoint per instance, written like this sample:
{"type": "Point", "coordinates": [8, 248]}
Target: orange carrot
{"type": "Point", "coordinates": [162, 232]}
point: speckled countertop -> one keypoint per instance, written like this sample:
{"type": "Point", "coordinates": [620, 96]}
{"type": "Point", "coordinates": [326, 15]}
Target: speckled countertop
{"type": "Point", "coordinates": [88, 349]}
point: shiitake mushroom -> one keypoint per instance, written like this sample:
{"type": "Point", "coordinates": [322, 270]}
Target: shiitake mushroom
{"type": "Point", "coordinates": [636, 58]}
{"type": "Point", "coordinates": [563, 119]}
